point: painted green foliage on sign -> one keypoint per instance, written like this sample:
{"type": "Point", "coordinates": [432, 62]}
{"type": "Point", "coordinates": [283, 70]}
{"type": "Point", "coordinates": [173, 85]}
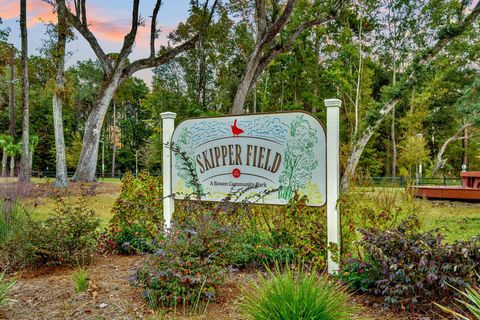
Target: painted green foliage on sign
{"type": "Point", "coordinates": [299, 158]}
{"type": "Point", "coordinates": [185, 164]}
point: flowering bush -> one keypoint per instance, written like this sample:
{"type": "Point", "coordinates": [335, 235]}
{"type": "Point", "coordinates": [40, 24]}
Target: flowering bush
{"type": "Point", "coordinates": [137, 214]}
{"type": "Point", "coordinates": [188, 264]}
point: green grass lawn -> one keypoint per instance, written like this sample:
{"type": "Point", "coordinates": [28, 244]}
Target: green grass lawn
{"type": "Point", "coordinates": [457, 220]}
{"type": "Point", "coordinates": [102, 205]}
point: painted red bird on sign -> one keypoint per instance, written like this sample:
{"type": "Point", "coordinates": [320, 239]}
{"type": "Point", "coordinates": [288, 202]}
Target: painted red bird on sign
{"type": "Point", "coordinates": [236, 130]}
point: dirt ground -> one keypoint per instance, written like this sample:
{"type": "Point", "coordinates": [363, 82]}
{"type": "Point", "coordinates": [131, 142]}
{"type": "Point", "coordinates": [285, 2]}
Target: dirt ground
{"type": "Point", "coordinates": [49, 294]}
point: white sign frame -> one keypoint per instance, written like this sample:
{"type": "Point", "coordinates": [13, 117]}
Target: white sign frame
{"type": "Point", "coordinates": [332, 141]}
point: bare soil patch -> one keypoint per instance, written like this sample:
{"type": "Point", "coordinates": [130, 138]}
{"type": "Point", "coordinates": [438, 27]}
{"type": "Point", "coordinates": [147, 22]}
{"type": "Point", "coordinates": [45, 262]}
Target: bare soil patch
{"type": "Point", "coordinates": [49, 294]}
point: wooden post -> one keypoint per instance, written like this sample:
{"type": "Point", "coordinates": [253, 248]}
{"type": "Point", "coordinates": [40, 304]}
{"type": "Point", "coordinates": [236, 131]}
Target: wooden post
{"type": "Point", "coordinates": [168, 126]}
{"type": "Point", "coordinates": [333, 179]}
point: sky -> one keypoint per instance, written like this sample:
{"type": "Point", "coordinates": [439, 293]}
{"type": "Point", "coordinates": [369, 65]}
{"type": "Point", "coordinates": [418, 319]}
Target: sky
{"type": "Point", "coordinates": [110, 21]}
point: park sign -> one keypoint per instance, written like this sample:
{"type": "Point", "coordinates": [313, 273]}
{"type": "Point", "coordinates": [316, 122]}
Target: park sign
{"type": "Point", "coordinates": [259, 158]}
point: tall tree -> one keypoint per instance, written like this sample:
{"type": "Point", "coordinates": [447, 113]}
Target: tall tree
{"type": "Point", "coordinates": [61, 179]}
{"type": "Point", "coordinates": [267, 46]}
{"type": "Point", "coordinates": [393, 97]}
{"type": "Point", "coordinates": [24, 174]}
{"type": "Point", "coordinates": [117, 68]}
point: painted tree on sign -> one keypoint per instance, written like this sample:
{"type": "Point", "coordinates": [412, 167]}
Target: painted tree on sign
{"type": "Point", "coordinates": [299, 162]}
{"type": "Point", "coordinates": [184, 162]}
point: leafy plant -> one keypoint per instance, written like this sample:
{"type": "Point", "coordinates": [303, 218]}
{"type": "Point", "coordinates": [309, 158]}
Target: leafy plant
{"type": "Point", "coordinates": [80, 280]}
{"type": "Point", "coordinates": [360, 275]}
{"type": "Point", "coordinates": [296, 294]}
{"type": "Point", "coordinates": [188, 264]}
{"type": "Point", "coordinates": [137, 213]}
{"type": "Point", "coordinates": [69, 236]}
{"type": "Point", "coordinates": [4, 288]}
{"type": "Point", "coordinates": [418, 267]}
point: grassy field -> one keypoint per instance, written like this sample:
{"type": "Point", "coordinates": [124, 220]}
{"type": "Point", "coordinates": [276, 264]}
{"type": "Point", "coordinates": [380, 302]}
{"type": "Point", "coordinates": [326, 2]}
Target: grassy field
{"type": "Point", "coordinates": [101, 203]}
{"type": "Point", "coordinates": [457, 220]}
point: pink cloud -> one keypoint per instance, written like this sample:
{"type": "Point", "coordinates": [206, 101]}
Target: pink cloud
{"type": "Point", "coordinates": [106, 25]}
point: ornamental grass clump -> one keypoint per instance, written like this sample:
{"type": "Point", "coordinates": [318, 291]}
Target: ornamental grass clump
{"type": "Point", "coordinates": [296, 294]}
{"type": "Point", "coordinates": [80, 280]}
{"type": "Point", "coordinates": [4, 288]}
{"type": "Point", "coordinates": [470, 300]}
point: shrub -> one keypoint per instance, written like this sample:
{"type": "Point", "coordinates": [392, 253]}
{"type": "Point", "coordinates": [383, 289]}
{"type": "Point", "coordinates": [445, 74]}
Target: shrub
{"type": "Point", "coordinates": [68, 236]}
{"type": "Point", "coordinates": [188, 264]}
{"type": "Point", "coordinates": [418, 267]}
{"type": "Point", "coordinates": [137, 213]}
{"type": "Point", "coordinates": [80, 280]}
{"type": "Point", "coordinates": [372, 208]}
{"type": "Point", "coordinates": [4, 288]}
{"type": "Point", "coordinates": [360, 275]}
{"type": "Point", "coordinates": [295, 295]}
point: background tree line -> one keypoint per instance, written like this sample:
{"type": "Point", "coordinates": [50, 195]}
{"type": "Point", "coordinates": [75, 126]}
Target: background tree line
{"type": "Point", "coordinates": [406, 72]}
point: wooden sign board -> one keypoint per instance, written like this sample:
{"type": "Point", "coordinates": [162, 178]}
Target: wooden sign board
{"type": "Point", "coordinates": [259, 158]}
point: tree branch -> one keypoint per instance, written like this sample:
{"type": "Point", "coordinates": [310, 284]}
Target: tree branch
{"type": "Point", "coordinates": [153, 29]}
{"type": "Point", "coordinates": [287, 45]}
{"type": "Point", "coordinates": [161, 59]}
{"type": "Point", "coordinates": [170, 53]}
{"type": "Point", "coordinates": [130, 37]}
{"type": "Point", "coordinates": [82, 27]}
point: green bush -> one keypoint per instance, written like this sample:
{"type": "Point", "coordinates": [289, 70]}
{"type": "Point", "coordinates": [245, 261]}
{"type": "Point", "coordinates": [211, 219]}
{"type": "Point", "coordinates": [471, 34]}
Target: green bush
{"type": "Point", "coordinates": [188, 265]}
{"type": "Point", "coordinates": [377, 208]}
{"type": "Point", "coordinates": [15, 225]}
{"type": "Point", "coordinates": [470, 299]}
{"type": "Point", "coordinates": [12, 214]}
{"type": "Point", "coordinates": [68, 236]}
{"type": "Point", "coordinates": [360, 275]}
{"type": "Point", "coordinates": [294, 294]}
{"type": "Point", "coordinates": [137, 214]}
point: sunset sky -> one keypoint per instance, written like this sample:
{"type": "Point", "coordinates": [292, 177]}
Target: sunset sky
{"type": "Point", "coordinates": [110, 21]}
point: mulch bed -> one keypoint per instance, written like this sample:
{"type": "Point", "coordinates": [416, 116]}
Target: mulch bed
{"type": "Point", "coordinates": [49, 294]}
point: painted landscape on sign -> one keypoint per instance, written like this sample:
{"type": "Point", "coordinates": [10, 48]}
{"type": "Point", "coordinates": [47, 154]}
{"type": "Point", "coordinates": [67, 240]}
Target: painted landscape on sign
{"type": "Point", "coordinates": [263, 158]}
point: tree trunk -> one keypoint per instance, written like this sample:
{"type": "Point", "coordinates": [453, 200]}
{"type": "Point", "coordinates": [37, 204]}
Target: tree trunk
{"type": "Point", "coordinates": [394, 145]}
{"type": "Point", "coordinates": [12, 166]}
{"type": "Point", "coordinates": [30, 159]}
{"type": "Point", "coordinates": [24, 174]}
{"type": "Point", "coordinates": [439, 158]}
{"type": "Point", "coordinates": [61, 178]}
{"type": "Point", "coordinates": [465, 149]}
{"type": "Point", "coordinates": [359, 76]}
{"type": "Point", "coordinates": [246, 82]}
{"type": "Point", "coordinates": [361, 143]}
{"type": "Point", "coordinates": [87, 164]}
{"type": "Point", "coordinates": [4, 163]}
{"type": "Point", "coordinates": [114, 146]}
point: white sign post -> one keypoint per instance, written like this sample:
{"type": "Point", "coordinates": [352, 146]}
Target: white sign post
{"type": "Point", "coordinates": [256, 158]}
{"type": "Point", "coordinates": [168, 126]}
{"type": "Point", "coordinates": [333, 169]}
